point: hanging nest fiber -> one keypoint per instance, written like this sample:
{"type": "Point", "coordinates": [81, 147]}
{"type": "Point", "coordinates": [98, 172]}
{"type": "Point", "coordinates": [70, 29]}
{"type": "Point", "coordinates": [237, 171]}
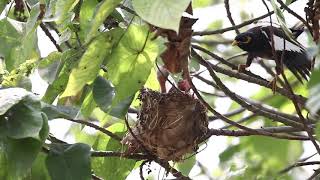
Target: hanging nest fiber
{"type": "Point", "coordinates": [169, 125]}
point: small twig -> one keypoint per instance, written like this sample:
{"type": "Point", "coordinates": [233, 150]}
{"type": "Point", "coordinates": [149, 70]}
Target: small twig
{"type": "Point", "coordinates": [240, 121]}
{"type": "Point", "coordinates": [299, 164]}
{"type": "Point", "coordinates": [254, 132]}
{"type": "Point", "coordinates": [227, 6]}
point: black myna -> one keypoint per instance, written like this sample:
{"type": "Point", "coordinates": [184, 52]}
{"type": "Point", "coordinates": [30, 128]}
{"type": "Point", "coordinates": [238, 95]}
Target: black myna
{"type": "Point", "coordinates": [257, 42]}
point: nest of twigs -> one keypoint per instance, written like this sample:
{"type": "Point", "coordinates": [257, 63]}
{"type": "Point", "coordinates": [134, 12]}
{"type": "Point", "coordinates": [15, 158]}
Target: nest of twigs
{"type": "Point", "coordinates": [169, 125]}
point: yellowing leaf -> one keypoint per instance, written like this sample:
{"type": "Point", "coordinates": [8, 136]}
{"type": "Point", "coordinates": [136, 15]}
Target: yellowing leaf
{"type": "Point", "coordinates": [89, 65]}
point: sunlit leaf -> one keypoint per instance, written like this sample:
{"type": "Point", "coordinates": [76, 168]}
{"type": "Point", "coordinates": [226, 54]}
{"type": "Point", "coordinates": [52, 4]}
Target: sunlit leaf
{"type": "Point", "coordinates": [89, 65]}
{"type": "Point", "coordinates": [132, 60]}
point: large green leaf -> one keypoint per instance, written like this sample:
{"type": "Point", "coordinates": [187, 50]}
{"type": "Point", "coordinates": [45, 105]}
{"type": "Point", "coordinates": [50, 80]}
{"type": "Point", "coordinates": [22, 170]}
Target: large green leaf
{"type": "Point", "coordinates": [161, 13]}
{"type": "Point", "coordinates": [131, 61]}
{"type": "Point", "coordinates": [112, 167]}
{"type": "Point", "coordinates": [103, 10]}
{"type": "Point", "coordinates": [21, 153]}
{"type": "Point", "coordinates": [20, 113]}
{"type": "Point", "coordinates": [89, 64]}
{"type": "Point", "coordinates": [69, 162]}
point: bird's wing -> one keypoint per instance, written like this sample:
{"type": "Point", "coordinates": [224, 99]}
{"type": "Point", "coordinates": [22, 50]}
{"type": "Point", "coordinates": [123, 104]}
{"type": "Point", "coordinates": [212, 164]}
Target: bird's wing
{"type": "Point", "coordinates": [281, 40]}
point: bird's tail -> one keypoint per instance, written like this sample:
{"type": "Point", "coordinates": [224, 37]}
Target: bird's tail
{"type": "Point", "coordinates": [299, 64]}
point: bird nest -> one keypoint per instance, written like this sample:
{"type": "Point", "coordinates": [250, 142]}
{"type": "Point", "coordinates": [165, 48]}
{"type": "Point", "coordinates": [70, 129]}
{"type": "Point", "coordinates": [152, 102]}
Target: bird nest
{"type": "Point", "coordinates": [169, 125]}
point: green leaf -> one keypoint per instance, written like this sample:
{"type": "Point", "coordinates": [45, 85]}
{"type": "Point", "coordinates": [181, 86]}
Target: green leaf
{"type": "Point", "coordinates": [20, 113]}
{"type": "Point", "coordinates": [132, 61]}
{"type": "Point", "coordinates": [103, 93]}
{"type": "Point", "coordinates": [313, 103]}
{"type": "Point", "coordinates": [69, 162]}
{"type": "Point", "coordinates": [103, 10]}
{"type": "Point", "coordinates": [54, 112]}
{"type": "Point", "coordinates": [161, 13]}
{"type": "Point", "coordinates": [21, 153]}
{"type": "Point", "coordinates": [48, 67]}
{"type": "Point", "coordinates": [186, 165]}
{"type": "Point", "coordinates": [64, 10]}
{"type": "Point", "coordinates": [112, 167]}
{"type": "Point", "coordinates": [280, 152]}
{"type": "Point", "coordinates": [86, 16]}
{"type": "Point", "coordinates": [87, 69]}
{"type": "Point", "coordinates": [88, 105]}
{"type": "Point", "coordinates": [16, 45]}
{"type": "Point", "coordinates": [39, 170]}
{"type": "Point", "coordinates": [70, 59]}
{"type": "Point", "coordinates": [3, 4]}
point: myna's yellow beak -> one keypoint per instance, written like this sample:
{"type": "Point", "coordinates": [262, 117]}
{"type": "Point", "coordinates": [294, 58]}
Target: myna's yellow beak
{"type": "Point", "coordinates": [234, 43]}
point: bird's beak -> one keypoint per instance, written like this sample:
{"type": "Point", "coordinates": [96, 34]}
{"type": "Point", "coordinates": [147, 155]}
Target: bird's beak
{"type": "Point", "coordinates": [235, 43]}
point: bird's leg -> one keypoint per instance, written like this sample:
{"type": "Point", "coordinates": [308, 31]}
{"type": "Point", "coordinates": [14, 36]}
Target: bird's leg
{"type": "Point", "coordinates": [242, 67]}
{"type": "Point", "coordinates": [162, 75]}
{"type": "Point", "coordinates": [273, 82]}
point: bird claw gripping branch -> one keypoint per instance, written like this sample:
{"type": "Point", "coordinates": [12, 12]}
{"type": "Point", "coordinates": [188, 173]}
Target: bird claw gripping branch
{"type": "Point", "coordinates": [176, 55]}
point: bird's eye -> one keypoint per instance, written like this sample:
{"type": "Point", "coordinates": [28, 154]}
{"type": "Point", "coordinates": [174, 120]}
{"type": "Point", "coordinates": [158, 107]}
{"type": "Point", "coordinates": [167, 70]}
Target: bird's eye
{"type": "Point", "coordinates": [245, 39]}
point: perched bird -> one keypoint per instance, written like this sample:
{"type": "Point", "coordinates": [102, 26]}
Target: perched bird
{"type": "Point", "coordinates": [258, 42]}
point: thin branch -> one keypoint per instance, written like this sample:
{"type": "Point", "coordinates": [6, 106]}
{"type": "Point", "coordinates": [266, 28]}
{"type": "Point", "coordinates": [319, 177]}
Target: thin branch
{"type": "Point", "coordinates": [223, 61]}
{"type": "Point", "coordinates": [136, 156]}
{"type": "Point", "coordinates": [299, 164]}
{"type": "Point", "coordinates": [220, 31]}
{"type": "Point", "coordinates": [314, 175]}
{"type": "Point", "coordinates": [259, 132]}
{"type": "Point", "coordinates": [101, 129]}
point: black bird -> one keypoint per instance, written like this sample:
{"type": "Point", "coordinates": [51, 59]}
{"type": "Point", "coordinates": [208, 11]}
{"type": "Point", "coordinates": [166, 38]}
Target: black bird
{"type": "Point", "coordinates": [257, 42]}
